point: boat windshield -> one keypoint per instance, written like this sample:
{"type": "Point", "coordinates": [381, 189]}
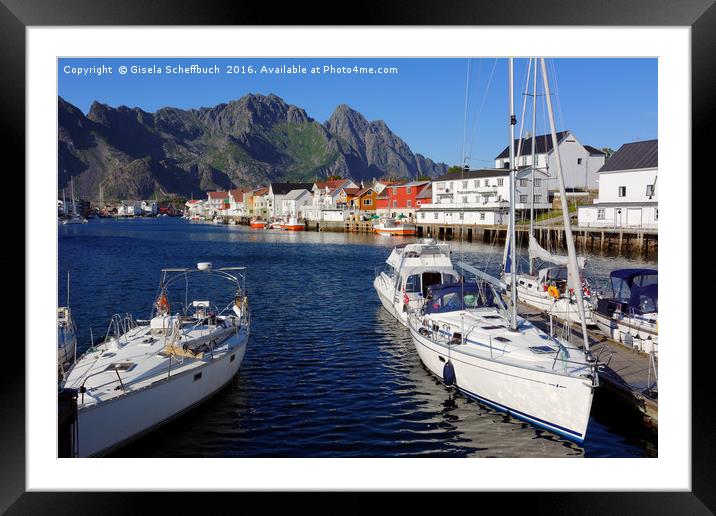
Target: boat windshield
{"type": "Point", "coordinates": [451, 298]}
{"type": "Point", "coordinates": [626, 282]}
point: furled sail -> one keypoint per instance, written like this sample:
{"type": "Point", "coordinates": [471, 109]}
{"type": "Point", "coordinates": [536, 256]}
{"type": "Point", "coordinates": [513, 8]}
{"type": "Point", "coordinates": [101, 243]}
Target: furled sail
{"type": "Point", "coordinates": [537, 251]}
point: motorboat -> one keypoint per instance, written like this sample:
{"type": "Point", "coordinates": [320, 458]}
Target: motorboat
{"type": "Point", "coordinates": [628, 310]}
{"type": "Point", "coordinates": [293, 225]}
{"type": "Point", "coordinates": [395, 227]}
{"type": "Point", "coordinates": [146, 373]}
{"type": "Point", "coordinates": [66, 340]}
{"type": "Point", "coordinates": [408, 272]}
{"type": "Point", "coordinates": [463, 335]}
{"type": "Point", "coordinates": [258, 224]}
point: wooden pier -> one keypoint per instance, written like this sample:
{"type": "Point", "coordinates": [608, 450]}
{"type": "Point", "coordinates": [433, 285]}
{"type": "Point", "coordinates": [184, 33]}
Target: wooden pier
{"type": "Point", "coordinates": [621, 240]}
{"type": "Point", "coordinates": [629, 375]}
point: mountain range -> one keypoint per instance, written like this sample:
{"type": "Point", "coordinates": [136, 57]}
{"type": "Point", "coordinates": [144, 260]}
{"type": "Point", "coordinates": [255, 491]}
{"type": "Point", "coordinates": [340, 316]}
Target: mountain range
{"type": "Point", "coordinates": [251, 141]}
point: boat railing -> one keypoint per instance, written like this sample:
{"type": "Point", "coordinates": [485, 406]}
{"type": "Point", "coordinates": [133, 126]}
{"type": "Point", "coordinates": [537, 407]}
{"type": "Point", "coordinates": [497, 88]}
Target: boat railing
{"type": "Point", "coordinates": [84, 389]}
{"type": "Point", "coordinates": [118, 327]}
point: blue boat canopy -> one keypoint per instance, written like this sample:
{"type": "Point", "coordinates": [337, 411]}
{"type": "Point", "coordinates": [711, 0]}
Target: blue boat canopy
{"type": "Point", "coordinates": [461, 296]}
{"type": "Point", "coordinates": [626, 283]}
{"type": "Point", "coordinates": [645, 299]}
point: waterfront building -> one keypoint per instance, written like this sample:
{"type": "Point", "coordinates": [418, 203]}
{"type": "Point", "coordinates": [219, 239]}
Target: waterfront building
{"type": "Point", "coordinates": [628, 190]}
{"type": "Point", "coordinates": [403, 198]}
{"type": "Point", "coordinates": [580, 162]}
{"type": "Point", "coordinates": [149, 207]}
{"type": "Point", "coordinates": [259, 201]}
{"type": "Point", "coordinates": [129, 209]}
{"type": "Point", "coordinates": [194, 208]}
{"type": "Point", "coordinates": [296, 202]}
{"type": "Point", "coordinates": [215, 202]}
{"type": "Point", "coordinates": [237, 206]}
{"type": "Point", "coordinates": [481, 197]}
{"type": "Point", "coordinates": [277, 192]}
{"type": "Point", "coordinates": [364, 200]}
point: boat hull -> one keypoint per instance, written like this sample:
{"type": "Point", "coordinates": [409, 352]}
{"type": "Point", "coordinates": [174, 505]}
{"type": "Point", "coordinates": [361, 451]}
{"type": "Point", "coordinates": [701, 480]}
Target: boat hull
{"type": "Point", "coordinates": [562, 308]}
{"type": "Point", "coordinates": [296, 227]}
{"type": "Point", "coordinates": [385, 295]}
{"type": "Point", "coordinates": [111, 424]}
{"type": "Point", "coordinates": [396, 232]}
{"type": "Point", "coordinates": [558, 403]}
{"type": "Point", "coordinates": [629, 332]}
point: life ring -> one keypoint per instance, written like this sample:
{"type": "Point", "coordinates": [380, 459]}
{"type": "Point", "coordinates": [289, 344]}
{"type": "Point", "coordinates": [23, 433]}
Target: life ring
{"type": "Point", "coordinates": [553, 291]}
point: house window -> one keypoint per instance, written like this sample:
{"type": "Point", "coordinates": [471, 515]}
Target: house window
{"type": "Point", "coordinates": [579, 161]}
{"type": "Point", "coordinates": [538, 182]}
{"type": "Point", "coordinates": [435, 215]}
{"type": "Point", "coordinates": [395, 204]}
{"type": "Point", "coordinates": [477, 183]}
{"type": "Point", "coordinates": [422, 215]}
{"type": "Point", "coordinates": [649, 190]}
{"type": "Point", "coordinates": [408, 190]}
{"type": "Point", "coordinates": [523, 198]}
{"type": "Point", "coordinates": [482, 216]}
{"type": "Point", "coordinates": [368, 202]}
{"type": "Point", "coordinates": [622, 191]}
{"type": "Point", "coordinates": [500, 182]}
{"type": "Point", "coordinates": [395, 191]}
{"type": "Point", "coordinates": [524, 182]}
{"type": "Point", "coordinates": [464, 199]}
{"type": "Point", "coordinates": [464, 185]}
{"type": "Point", "coordinates": [410, 204]}
{"type": "Point", "coordinates": [656, 214]}
{"type": "Point", "coordinates": [537, 198]}
{"type": "Point", "coordinates": [600, 214]}
{"type": "Point", "coordinates": [462, 215]}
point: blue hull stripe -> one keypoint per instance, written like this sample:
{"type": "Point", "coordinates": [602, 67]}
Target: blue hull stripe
{"type": "Point", "coordinates": [566, 432]}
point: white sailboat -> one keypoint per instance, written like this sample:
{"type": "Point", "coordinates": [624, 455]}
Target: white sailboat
{"type": "Point", "coordinates": [545, 288]}
{"type": "Point", "coordinates": [409, 270]}
{"type": "Point", "coordinates": [146, 373]}
{"type": "Point", "coordinates": [76, 218]}
{"type": "Point", "coordinates": [468, 337]}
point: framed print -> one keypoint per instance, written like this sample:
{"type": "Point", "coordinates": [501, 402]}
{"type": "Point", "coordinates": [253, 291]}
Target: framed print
{"type": "Point", "coordinates": [413, 252]}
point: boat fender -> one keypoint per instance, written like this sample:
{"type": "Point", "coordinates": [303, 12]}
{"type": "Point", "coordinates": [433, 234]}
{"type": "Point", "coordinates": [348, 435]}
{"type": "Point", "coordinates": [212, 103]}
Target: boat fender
{"type": "Point", "coordinates": [423, 331]}
{"type": "Point", "coordinates": [448, 373]}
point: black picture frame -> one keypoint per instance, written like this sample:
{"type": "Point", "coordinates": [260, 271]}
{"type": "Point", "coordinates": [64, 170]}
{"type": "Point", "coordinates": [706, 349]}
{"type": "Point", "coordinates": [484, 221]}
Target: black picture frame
{"type": "Point", "coordinates": [699, 15]}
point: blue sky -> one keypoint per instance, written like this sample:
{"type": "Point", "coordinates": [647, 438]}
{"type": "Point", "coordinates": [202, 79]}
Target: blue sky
{"type": "Point", "coordinates": [605, 102]}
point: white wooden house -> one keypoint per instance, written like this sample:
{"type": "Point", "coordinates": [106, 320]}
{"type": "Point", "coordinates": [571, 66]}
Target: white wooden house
{"type": "Point", "coordinates": [628, 189]}
{"type": "Point", "coordinates": [580, 162]}
{"type": "Point", "coordinates": [481, 197]}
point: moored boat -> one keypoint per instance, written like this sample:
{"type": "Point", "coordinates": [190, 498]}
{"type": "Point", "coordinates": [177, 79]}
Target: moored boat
{"type": "Point", "coordinates": [463, 335]}
{"type": "Point", "coordinates": [628, 310]}
{"type": "Point", "coordinates": [148, 372]}
{"type": "Point", "coordinates": [257, 224]}
{"type": "Point", "coordinates": [293, 225]}
{"type": "Point", "coordinates": [66, 340]}
{"type": "Point", "coordinates": [394, 227]}
{"type": "Point", "coordinates": [408, 272]}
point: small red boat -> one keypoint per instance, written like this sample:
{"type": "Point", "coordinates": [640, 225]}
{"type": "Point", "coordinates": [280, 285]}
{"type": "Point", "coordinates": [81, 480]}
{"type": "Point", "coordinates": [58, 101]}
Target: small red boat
{"type": "Point", "coordinates": [258, 224]}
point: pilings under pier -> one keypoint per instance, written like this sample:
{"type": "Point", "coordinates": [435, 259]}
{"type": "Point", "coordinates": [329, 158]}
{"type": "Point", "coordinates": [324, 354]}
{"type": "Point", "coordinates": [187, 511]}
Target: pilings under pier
{"type": "Point", "coordinates": [622, 240]}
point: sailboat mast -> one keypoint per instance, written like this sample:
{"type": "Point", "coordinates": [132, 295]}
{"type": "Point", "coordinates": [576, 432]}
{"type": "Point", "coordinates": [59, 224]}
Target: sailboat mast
{"type": "Point", "coordinates": [573, 278]}
{"type": "Point", "coordinates": [513, 168]}
{"type": "Point", "coordinates": [532, 184]}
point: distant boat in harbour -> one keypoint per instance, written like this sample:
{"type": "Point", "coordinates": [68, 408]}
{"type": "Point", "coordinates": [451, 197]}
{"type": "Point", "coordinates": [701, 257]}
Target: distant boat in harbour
{"type": "Point", "coordinates": [393, 227]}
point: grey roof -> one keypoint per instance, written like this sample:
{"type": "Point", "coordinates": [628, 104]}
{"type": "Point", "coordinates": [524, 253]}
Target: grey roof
{"type": "Point", "coordinates": [544, 144]}
{"type": "Point", "coordinates": [592, 151]}
{"type": "Point", "coordinates": [634, 155]}
{"type": "Point", "coordinates": [295, 194]}
{"type": "Point", "coordinates": [473, 174]}
{"type": "Point", "coordinates": [284, 188]}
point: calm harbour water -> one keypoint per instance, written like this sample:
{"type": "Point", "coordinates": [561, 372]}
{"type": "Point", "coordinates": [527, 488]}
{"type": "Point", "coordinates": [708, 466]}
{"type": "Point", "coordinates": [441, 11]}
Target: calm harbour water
{"type": "Point", "coordinates": [328, 373]}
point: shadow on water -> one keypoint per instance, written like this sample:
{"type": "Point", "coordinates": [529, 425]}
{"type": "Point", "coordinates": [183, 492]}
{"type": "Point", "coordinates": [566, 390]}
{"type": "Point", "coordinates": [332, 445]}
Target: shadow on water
{"type": "Point", "coordinates": [328, 373]}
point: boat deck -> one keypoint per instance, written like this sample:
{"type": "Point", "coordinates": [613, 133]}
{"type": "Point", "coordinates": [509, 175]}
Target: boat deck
{"type": "Point", "coordinates": [628, 373]}
{"type": "Point", "coordinates": [140, 360]}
